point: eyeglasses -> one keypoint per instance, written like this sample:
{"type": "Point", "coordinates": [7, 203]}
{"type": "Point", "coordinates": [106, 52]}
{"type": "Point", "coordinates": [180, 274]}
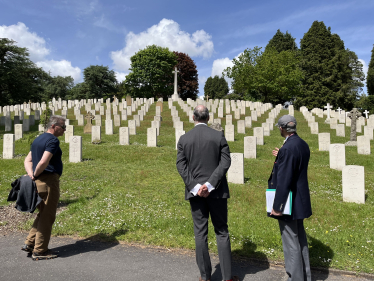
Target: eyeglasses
{"type": "Point", "coordinates": [62, 126]}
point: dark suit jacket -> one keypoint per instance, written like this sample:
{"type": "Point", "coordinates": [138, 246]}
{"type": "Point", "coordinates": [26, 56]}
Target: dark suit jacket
{"type": "Point", "coordinates": [204, 156]}
{"type": "Point", "coordinates": [290, 173]}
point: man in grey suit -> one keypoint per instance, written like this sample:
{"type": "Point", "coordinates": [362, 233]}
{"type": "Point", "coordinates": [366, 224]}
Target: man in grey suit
{"type": "Point", "coordinates": [202, 161]}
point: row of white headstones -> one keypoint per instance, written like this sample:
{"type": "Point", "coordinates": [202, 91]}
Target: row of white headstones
{"type": "Point", "coordinates": [236, 171]}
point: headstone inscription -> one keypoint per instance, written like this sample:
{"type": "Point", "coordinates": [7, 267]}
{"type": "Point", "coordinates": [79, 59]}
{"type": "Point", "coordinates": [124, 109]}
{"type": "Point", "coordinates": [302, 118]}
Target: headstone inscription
{"type": "Point", "coordinates": [75, 149]}
{"type": "Point", "coordinates": [151, 137]}
{"type": "Point", "coordinates": [235, 174]}
{"type": "Point", "coordinates": [363, 145]}
{"type": "Point", "coordinates": [250, 146]}
{"type": "Point", "coordinates": [353, 181]}
{"type": "Point", "coordinates": [109, 127]}
{"type": "Point", "coordinates": [96, 134]}
{"type": "Point", "coordinates": [337, 156]}
{"type": "Point", "coordinates": [324, 141]}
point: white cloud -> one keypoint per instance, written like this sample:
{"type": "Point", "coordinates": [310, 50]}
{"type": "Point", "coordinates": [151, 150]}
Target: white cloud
{"type": "Point", "coordinates": [219, 65]}
{"type": "Point", "coordinates": [38, 51]}
{"type": "Point", "coordinates": [365, 68]}
{"type": "Point", "coordinates": [166, 33]}
{"type": "Point", "coordinates": [120, 76]}
{"type": "Point", "coordinates": [61, 68]}
{"type": "Point", "coordinates": [26, 39]}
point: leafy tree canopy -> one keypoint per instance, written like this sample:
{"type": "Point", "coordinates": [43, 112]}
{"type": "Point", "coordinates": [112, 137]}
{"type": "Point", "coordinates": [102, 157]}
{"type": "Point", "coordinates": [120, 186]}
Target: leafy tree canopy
{"type": "Point", "coordinates": [58, 86]}
{"type": "Point", "coordinates": [151, 73]}
{"type": "Point", "coordinates": [269, 76]}
{"type": "Point", "coordinates": [20, 79]}
{"type": "Point", "coordinates": [188, 84]}
{"type": "Point", "coordinates": [101, 81]}
{"type": "Point", "coordinates": [216, 87]}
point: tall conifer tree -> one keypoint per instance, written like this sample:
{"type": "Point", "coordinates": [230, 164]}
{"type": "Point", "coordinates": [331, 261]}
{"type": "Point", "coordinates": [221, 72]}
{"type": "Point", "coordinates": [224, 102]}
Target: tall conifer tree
{"type": "Point", "coordinates": [282, 42]}
{"type": "Point", "coordinates": [325, 63]}
{"type": "Point", "coordinates": [370, 76]}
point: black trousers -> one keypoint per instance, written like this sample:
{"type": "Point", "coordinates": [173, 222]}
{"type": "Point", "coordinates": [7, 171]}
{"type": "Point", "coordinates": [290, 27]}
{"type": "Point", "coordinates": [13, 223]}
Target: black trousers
{"type": "Point", "coordinates": [217, 208]}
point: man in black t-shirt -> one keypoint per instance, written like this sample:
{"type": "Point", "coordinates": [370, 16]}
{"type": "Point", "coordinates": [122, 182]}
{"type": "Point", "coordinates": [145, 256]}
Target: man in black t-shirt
{"type": "Point", "coordinates": [44, 166]}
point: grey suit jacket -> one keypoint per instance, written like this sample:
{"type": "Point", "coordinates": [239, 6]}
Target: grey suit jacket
{"type": "Point", "coordinates": [204, 156]}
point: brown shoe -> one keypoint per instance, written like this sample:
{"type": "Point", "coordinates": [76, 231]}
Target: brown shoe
{"type": "Point", "coordinates": [203, 279]}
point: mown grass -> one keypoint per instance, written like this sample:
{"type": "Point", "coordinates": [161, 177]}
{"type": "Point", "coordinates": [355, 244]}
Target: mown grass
{"type": "Point", "coordinates": [135, 194]}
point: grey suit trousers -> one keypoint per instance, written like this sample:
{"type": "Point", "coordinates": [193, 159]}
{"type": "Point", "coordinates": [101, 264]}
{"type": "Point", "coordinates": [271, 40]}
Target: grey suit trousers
{"type": "Point", "coordinates": [217, 208]}
{"type": "Point", "coordinates": [295, 249]}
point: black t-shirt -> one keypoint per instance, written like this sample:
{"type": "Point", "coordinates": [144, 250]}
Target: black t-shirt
{"type": "Point", "coordinates": [50, 143]}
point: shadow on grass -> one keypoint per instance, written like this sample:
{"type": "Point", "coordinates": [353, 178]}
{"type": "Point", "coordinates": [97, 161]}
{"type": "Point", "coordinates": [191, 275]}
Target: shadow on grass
{"type": "Point", "coordinates": [320, 256]}
{"type": "Point", "coordinates": [243, 261]}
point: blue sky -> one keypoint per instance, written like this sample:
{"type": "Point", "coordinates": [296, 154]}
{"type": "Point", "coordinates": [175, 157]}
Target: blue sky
{"type": "Point", "coordinates": [64, 37]}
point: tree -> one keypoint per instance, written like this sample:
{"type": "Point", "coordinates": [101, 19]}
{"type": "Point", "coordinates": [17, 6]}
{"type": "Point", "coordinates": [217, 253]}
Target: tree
{"type": "Point", "coordinates": [188, 84]}
{"type": "Point", "coordinates": [58, 87]}
{"type": "Point", "coordinates": [325, 63]}
{"type": "Point", "coordinates": [370, 75]}
{"type": "Point", "coordinates": [20, 79]}
{"type": "Point", "coordinates": [79, 91]}
{"type": "Point", "coordinates": [101, 81]}
{"type": "Point", "coordinates": [358, 75]}
{"type": "Point", "coordinates": [269, 76]}
{"type": "Point", "coordinates": [282, 42]}
{"type": "Point", "coordinates": [151, 72]}
{"type": "Point", "coordinates": [216, 87]}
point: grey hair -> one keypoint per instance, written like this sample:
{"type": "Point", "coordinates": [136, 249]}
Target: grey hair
{"type": "Point", "coordinates": [201, 113]}
{"type": "Point", "coordinates": [55, 119]}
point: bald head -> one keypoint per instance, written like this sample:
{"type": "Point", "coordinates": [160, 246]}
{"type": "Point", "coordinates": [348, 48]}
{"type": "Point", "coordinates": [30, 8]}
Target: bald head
{"type": "Point", "coordinates": [201, 114]}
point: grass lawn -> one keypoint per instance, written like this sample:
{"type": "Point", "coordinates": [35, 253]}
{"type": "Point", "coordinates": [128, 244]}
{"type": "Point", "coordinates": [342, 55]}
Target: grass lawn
{"type": "Point", "coordinates": [134, 193]}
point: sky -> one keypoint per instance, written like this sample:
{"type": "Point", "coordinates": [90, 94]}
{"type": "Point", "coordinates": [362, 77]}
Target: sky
{"type": "Point", "coordinates": [65, 37]}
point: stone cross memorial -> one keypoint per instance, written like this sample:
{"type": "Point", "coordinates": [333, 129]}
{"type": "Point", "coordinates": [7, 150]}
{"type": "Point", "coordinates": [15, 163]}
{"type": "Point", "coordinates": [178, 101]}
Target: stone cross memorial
{"type": "Point", "coordinates": [353, 115]}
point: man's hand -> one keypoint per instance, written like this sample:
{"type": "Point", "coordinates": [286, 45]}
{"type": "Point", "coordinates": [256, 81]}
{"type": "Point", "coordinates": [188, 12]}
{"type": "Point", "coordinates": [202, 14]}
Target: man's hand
{"type": "Point", "coordinates": [203, 191]}
{"type": "Point", "coordinates": [275, 151]}
{"type": "Point", "coordinates": [276, 213]}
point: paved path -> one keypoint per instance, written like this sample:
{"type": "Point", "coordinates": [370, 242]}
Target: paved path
{"type": "Point", "coordinates": [92, 260]}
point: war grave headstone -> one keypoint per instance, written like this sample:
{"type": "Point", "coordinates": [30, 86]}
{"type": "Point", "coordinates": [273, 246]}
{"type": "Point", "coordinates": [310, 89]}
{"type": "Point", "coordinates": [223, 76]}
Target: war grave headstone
{"type": "Point", "coordinates": [117, 120]}
{"type": "Point", "coordinates": [254, 115]}
{"type": "Point", "coordinates": [368, 131]}
{"type": "Point", "coordinates": [314, 128]}
{"type": "Point", "coordinates": [88, 128]}
{"type": "Point", "coordinates": [363, 145]}
{"type": "Point", "coordinates": [228, 119]}
{"type": "Point", "coordinates": [124, 136]}
{"type": "Point", "coordinates": [235, 174]}
{"type": "Point", "coordinates": [337, 156]}
{"type": "Point", "coordinates": [109, 127]}
{"type": "Point", "coordinates": [151, 137]}
{"type": "Point", "coordinates": [18, 131]}
{"type": "Point", "coordinates": [217, 121]}
{"type": "Point", "coordinates": [136, 118]}
{"type": "Point", "coordinates": [156, 124]}
{"type": "Point", "coordinates": [16, 120]}
{"type": "Point", "coordinates": [241, 126]}
{"type": "Point", "coordinates": [96, 134]}
{"type": "Point", "coordinates": [132, 127]}
{"type": "Point", "coordinates": [340, 130]}
{"type": "Point", "coordinates": [250, 147]}
{"type": "Point", "coordinates": [248, 121]}
{"type": "Point", "coordinates": [75, 149]}
{"type": "Point", "coordinates": [80, 120]}
{"type": "Point", "coordinates": [333, 123]}
{"type": "Point", "coordinates": [97, 120]}
{"type": "Point", "coordinates": [353, 181]}
{"type": "Point", "coordinates": [324, 141]}
{"type": "Point", "coordinates": [26, 125]}
{"type": "Point", "coordinates": [230, 132]}
{"type": "Point", "coordinates": [8, 124]}
{"type": "Point", "coordinates": [266, 128]}
{"type": "Point", "coordinates": [237, 114]}
{"type": "Point", "coordinates": [8, 146]}
{"type": "Point", "coordinates": [69, 132]}
{"type": "Point", "coordinates": [258, 132]}
{"type": "Point", "coordinates": [31, 120]}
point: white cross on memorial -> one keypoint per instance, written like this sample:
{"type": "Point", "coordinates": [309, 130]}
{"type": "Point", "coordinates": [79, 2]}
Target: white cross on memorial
{"type": "Point", "coordinates": [366, 113]}
{"type": "Point", "coordinates": [175, 95]}
{"type": "Point", "coordinates": [339, 109]}
{"type": "Point", "coordinates": [328, 107]}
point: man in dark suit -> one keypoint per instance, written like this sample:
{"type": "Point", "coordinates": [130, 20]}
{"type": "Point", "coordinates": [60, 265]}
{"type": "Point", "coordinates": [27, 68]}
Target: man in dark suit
{"type": "Point", "coordinates": [202, 161]}
{"type": "Point", "coordinates": [290, 174]}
